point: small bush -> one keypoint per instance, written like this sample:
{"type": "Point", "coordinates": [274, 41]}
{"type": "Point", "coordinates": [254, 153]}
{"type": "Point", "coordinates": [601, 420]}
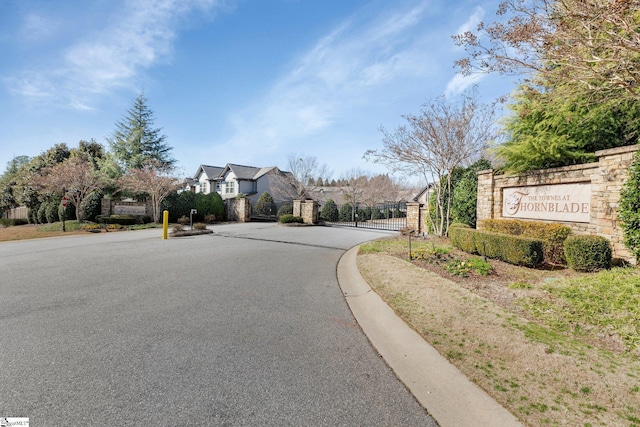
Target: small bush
{"type": "Point", "coordinates": [289, 219]}
{"type": "Point", "coordinates": [200, 226]}
{"type": "Point", "coordinates": [588, 252]}
{"type": "Point", "coordinates": [51, 211]}
{"type": "Point", "coordinates": [210, 219]}
{"type": "Point", "coordinates": [512, 249]}
{"type": "Point", "coordinates": [184, 220]}
{"type": "Point", "coordinates": [16, 221]}
{"type": "Point", "coordinates": [178, 227]}
{"type": "Point", "coordinates": [117, 219]}
{"type": "Point", "coordinates": [286, 208]}
{"type": "Point", "coordinates": [144, 219]}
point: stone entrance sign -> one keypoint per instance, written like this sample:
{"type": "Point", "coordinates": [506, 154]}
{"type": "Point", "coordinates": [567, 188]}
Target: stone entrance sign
{"type": "Point", "coordinates": [584, 197]}
{"type": "Point", "coordinates": [561, 202]}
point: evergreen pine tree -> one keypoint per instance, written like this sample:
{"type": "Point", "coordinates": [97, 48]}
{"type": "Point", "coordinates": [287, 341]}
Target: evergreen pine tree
{"type": "Point", "coordinates": [135, 141]}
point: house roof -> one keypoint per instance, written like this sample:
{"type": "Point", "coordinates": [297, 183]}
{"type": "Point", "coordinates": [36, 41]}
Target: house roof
{"type": "Point", "coordinates": [241, 172]}
{"type": "Point", "coordinates": [213, 172]}
{"type": "Point", "coordinates": [424, 191]}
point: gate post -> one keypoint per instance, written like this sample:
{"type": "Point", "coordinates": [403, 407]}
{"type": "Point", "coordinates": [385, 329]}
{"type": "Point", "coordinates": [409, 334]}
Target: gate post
{"type": "Point", "coordinates": [414, 222]}
{"type": "Point", "coordinates": [297, 208]}
{"type": "Point", "coordinates": [310, 212]}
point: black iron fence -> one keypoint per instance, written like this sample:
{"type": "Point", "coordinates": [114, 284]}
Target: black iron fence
{"type": "Point", "coordinates": [391, 216]}
{"type": "Point", "coordinates": [270, 211]}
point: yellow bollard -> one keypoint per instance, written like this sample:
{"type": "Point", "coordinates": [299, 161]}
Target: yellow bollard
{"type": "Point", "coordinates": [165, 224]}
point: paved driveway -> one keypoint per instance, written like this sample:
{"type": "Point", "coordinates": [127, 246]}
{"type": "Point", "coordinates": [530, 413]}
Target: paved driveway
{"type": "Point", "coordinates": [243, 327]}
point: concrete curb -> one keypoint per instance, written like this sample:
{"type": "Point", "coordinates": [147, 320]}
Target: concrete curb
{"type": "Point", "coordinates": [439, 386]}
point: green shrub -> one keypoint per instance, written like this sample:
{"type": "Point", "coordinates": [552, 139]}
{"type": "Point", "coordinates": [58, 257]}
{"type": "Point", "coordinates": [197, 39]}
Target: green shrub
{"type": "Point", "coordinates": [346, 213]}
{"type": "Point", "coordinates": [512, 249]}
{"type": "Point", "coordinates": [286, 208]}
{"type": "Point", "coordinates": [552, 235]}
{"type": "Point", "coordinates": [288, 219]}
{"type": "Point", "coordinates": [42, 213]}
{"type": "Point", "coordinates": [588, 252]}
{"type": "Point", "coordinates": [629, 211]}
{"type": "Point", "coordinates": [51, 211]}
{"type": "Point", "coordinates": [265, 205]}
{"type": "Point", "coordinates": [145, 219]}
{"type": "Point", "coordinates": [465, 194]}
{"type": "Point", "coordinates": [117, 219]}
{"type": "Point", "coordinates": [91, 206]}
{"type": "Point", "coordinates": [329, 211]}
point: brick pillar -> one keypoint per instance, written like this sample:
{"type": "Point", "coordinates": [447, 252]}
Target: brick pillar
{"type": "Point", "coordinates": [297, 208]}
{"type": "Point", "coordinates": [243, 209]}
{"type": "Point", "coordinates": [414, 222]}
{"type": "Point", "coordinates": [309, 211]}
{"type": "Point", "coordinates": [105, 206]}
{"type": "Point", "coordinates": [485, 195]}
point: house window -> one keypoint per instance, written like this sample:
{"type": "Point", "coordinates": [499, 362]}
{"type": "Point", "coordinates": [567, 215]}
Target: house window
{"type": "Point", "coordinates": [229, 187]}
{"type": "Point", "coordinates": [203, 187]}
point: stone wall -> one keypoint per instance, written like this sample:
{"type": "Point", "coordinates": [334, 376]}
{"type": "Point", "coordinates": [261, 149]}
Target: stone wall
{"type": "Point", "coordinates": [120, 207]}
{"type": "Point", "coordinates": [603, 178]}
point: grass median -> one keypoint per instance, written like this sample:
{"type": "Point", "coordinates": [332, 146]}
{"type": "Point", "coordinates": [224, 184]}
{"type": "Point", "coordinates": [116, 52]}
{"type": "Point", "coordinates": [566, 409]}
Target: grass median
{"type": "Point", "coordinates": [553, 346]}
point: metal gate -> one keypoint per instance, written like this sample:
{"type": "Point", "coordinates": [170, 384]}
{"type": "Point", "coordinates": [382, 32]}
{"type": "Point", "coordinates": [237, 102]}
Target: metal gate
{"type": "Point", "coordinates": [391, 216]}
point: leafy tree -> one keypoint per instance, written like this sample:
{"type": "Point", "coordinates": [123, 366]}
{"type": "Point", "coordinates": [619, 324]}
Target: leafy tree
{"type": "Point", "coordinates": [346, 213]}
{"type": "Point", "coordinates": [208, 204]}
{"type": "Point", "coordinates": [592, 43]}
{"type": "Point", "coordinates": [135, 141]}
{"type": "Point", "coordinates": [154, 178]}
{"type": "Point", "coordinates": [9, 181]}
{"type": "Point", "coordinates": [329, 211]}
{"type": "Point", "coordinates": [76, 176]}
{"type": "Point", "coordinates": [265, 205]}
{"type": "Point", "coordinates": [445, 136]}
{"type": "Point", "coordinates": [629, 211]}
{"type": "Point", "coordinates": [558, 128]}
{"type": "Point", "coordinates": [464, 202]}
{"type": "Point", "coordinates": [179, 204]}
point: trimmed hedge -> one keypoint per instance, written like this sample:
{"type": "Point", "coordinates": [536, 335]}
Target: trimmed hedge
{"type": "Point", "coordinates": [512, 249]}
{"type": "Point", "coordinates": [288, 219]}
{"type": "Point", "coordinates": [117, 219]}
{"type": "Point", "coordinates": [14, 221]}
{"type": "Point", "coordinates": [588, 252]}
{"type": "Point", "coordinates": [552, 235]}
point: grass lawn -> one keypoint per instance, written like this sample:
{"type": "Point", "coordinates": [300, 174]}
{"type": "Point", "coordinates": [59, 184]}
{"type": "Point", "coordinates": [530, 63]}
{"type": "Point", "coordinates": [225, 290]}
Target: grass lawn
{"type": "Point", "coordinates": [22, 232]}
{"type": "Point", "coordinates": [553, 346]}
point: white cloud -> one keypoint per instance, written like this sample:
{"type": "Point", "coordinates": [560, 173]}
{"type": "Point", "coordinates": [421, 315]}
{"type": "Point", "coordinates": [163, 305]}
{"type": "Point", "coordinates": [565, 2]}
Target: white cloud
{"type": "Point", "coordinates": [142, 35]}
{"type": "Point", "coordinates": [343, 71]}
{"type": "Point", "coordinates": [460, 83]}
{"type": "Point", "coordinates": [472, 23]}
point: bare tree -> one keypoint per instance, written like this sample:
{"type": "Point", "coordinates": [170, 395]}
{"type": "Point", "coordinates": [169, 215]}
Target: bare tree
{"type": "Point", "coordinates": [76, 175]}
{"type": "Point", "coordinates": [354, 184]}
{"type": "Point", "coordinates": [444, 136]}
{"type": "Point", "coordinates": [381, 189]}
{"type": "Point", "coordinates": [154, 178]}
{"type": "Point", "coordinates": [305, 172]}
{"type": "Point", "coordinates": [592, 42]}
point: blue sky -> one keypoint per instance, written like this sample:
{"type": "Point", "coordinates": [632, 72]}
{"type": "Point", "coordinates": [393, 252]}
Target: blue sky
{"type": "Point", "coordinates": [230, 81]}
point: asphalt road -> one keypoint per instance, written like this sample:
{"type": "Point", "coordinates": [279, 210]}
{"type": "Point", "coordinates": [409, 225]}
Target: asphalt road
{"type": "Point", "coordinates": [244, 327]}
